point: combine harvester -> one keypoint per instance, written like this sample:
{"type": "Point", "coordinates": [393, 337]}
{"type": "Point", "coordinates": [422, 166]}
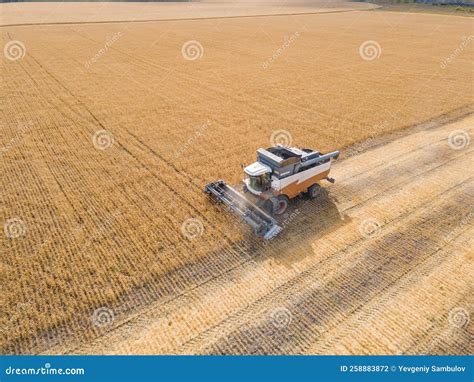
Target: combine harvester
{"type": "Point", "coordinates": [279, 174]}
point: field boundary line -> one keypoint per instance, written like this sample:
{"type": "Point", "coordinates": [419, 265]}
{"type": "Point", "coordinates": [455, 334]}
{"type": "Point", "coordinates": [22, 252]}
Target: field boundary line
{"type": "Point", "coordinates": [437, 122]}
{"type": "Point", "coordinates": [178, 19]}
{"type": "Point", "coordinates": [384, 8]}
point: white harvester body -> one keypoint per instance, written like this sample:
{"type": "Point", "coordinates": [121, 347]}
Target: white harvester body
{"type": "Point", "coordinates": [279, 174]}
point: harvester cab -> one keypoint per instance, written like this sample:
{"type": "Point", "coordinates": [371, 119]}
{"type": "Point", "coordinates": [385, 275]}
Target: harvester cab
{"type": "Point", "coordinates": [279, 174]}
{"type": "Point", "coordinates": [258, 178]}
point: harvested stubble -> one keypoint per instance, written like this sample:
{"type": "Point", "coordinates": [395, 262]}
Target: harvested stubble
{"type": "Point", "coordinates": [104, 226]}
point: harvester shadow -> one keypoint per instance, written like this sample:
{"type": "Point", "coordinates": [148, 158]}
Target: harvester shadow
{"type": "Point", "coordinates": [305, 222]}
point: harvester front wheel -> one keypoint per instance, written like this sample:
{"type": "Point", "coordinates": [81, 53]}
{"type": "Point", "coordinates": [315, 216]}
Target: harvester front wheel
{"type": "Point", "coordinates": [314, 191]}
{"type": "Point", "coordinates": [282, 204]}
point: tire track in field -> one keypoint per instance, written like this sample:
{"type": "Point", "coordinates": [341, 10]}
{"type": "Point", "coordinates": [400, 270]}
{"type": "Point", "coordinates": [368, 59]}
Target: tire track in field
{"type": "Point", "coordinates": [351, 324]}
{"type": "Point", "coordinates": [447, 338]}
{"type": "Point", "coordinates": [323, 307]}
{"type": "Point", "coordinates": [287, 289]}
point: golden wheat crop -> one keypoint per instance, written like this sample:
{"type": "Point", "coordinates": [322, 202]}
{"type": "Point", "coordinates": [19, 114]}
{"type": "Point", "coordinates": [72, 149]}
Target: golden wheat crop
{"type": "Point", "coordinates": [110, 132]}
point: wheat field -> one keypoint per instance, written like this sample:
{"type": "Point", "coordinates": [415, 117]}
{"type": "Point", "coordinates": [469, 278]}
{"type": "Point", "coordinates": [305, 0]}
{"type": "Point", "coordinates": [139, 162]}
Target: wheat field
{"type": "Point", "coordinates": [110, 132]}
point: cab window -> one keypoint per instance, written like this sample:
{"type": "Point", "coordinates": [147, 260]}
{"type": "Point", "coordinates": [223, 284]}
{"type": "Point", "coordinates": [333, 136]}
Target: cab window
{"type": "Point", "coordinates": [260, 183]}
